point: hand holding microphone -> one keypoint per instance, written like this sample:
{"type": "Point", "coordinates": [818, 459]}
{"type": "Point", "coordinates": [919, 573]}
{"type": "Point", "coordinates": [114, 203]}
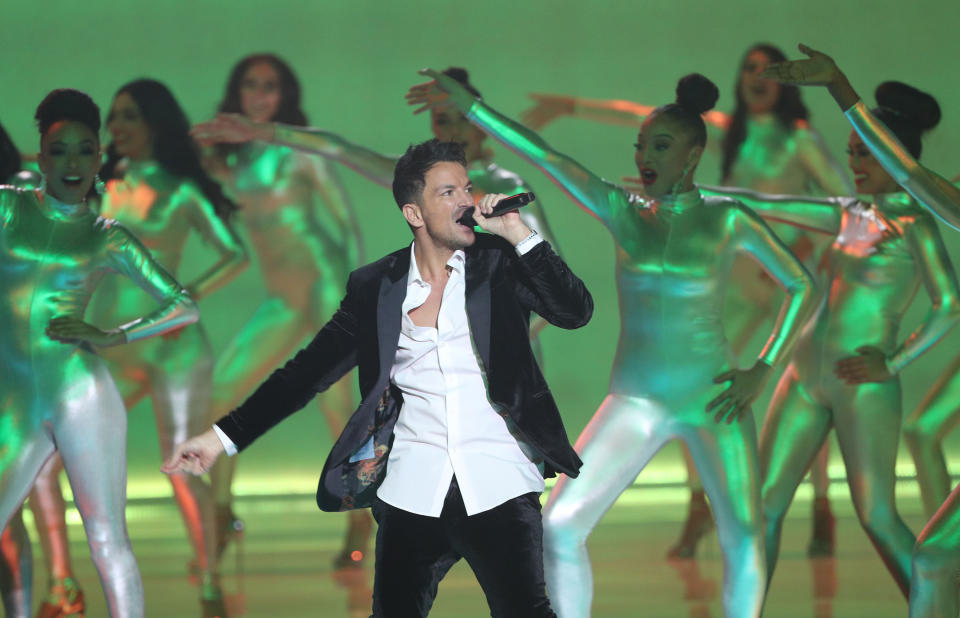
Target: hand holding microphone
{"type": "Point", "coordinates": [502, 207]}
{"type": "Point", "coordinates": [489, 215]}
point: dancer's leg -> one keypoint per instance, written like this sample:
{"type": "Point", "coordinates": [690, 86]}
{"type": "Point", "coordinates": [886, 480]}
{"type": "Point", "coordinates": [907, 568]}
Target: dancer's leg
{"type": "Point", "coordinates": [181, 404]}
{"type": "Point", "coordinates": [16, 568]}
{"type": "Point", "coordinates": [31, 446]}
{"type": "Point", "coordinates": [620, 439]}
{"type": "Point", "coordinates": [936, 564]}
{"type": "Point", "coordinates": [726, 455]}
{"type": "Point", "coordinates": [793, 432]}
{"type": "Point", "coordinates": [91, 434]}
{"type": "Point", "coordinates": [924, 431]}
{"type": "Point", "coordinates": [867, 419]}
{"type": "Point", "coordinates": [262, 345]}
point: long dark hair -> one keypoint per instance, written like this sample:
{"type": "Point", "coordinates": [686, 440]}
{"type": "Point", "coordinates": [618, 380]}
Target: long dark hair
{"type": "Point", "coordinates": [788, 109]}
{"type": "Point", "coordinates": [289, 111]}
{"type": "Point", "coordinates": [9, 157]}
{"type": "Point", "coordinates": [173, 148]}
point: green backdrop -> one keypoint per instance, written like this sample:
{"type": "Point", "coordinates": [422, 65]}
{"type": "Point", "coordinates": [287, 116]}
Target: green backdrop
{"type": "Point", "coordinates": [357, 58]}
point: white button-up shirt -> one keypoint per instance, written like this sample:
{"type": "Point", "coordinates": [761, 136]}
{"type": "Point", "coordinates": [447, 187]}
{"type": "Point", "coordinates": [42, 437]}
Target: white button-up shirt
{"type": "Point", "coordinates": [448, 425]}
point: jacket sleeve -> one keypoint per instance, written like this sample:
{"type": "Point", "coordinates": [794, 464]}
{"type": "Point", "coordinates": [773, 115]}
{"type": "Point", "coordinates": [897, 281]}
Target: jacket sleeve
{"type": "Point", "coordinates": [547, 287]}
{"type": "Point", "coordinates": [326, 359]}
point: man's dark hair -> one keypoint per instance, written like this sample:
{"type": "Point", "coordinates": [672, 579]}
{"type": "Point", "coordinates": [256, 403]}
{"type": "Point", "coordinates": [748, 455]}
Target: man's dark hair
{"type": "Point", "coordinates": [409, 176]}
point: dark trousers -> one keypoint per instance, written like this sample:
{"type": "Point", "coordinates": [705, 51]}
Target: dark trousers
{"type": "Point", "coordinates": [503, 546]}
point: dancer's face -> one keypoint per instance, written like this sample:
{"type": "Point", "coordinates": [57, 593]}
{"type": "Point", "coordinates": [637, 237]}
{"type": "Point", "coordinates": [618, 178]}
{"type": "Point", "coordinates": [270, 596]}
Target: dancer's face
{"type": "Point", "coordinates": [69, 159]}
{"type": "Point", "coordinates": [868, 174]}
{"type": "Point", "coordinates": [665, 156]}
{"type": "Point", "coordinates": [447, 193]}
{"type": "Point", "coordinates": [450, 125]}
{"type": "Point", "coordinates": [260, 92]}
{"type": "Point", "coordinates": [131, 134]}
{"type": "Point", "coordinates": [759, 94]}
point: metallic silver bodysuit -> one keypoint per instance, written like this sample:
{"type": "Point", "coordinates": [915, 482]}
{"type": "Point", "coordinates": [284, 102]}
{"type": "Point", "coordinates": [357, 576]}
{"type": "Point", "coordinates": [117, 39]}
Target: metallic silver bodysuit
{"type": "Point", "coordinates": [60, 396]}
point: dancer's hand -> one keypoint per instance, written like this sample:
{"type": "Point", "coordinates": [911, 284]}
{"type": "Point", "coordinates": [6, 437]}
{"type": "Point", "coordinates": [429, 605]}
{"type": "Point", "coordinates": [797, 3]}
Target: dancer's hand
{"type": "Point", "coordinates": [195, 456]}
{"type": "Point", "coordinates": [442, 91]}
{"type": "Point", "coordinates": [70, 330]}
{"type": "Point", "coordinates": [509, 226]}
{"type": "Point", "coordinates": [548, 107]}
{"type": "Point", "coordinates": [818, 70]}
{"type": "Point", "coordinates": [869, 366]}
{"type": "Point", "coordinates": [231, 129]}
{"type": "Point", "coordinates": [745, 386]}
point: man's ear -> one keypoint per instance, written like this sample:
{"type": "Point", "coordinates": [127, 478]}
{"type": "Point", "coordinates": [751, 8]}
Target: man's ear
{"type": "Point", "coordinates": [413, 215]}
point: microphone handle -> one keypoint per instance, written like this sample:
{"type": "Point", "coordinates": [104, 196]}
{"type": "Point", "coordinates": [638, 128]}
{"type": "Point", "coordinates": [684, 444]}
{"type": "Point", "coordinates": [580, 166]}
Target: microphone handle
{"type": "Point", "coordinates": [507, 204]}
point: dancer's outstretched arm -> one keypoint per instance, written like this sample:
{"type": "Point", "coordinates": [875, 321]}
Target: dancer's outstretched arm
{"type": "Point", "coordinates": [597, 196]}
{"type": "Point", "coordinates": [933, 191]}
{"type": "Point", "coordinates": [237, 129]}
{"type": "Point", "coordinates": [549, 107]}
{"type": "Point", "coordinates": [816, 214]}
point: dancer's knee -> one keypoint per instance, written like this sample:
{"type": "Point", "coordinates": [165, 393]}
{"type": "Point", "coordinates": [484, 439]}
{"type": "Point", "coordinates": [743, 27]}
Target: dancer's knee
{"type": "Point", "coordinates": [930, 559]}
{"type": "Point", "coordinates": [562, 527]}
{"type": "Point", "coordinates": [920, 435]}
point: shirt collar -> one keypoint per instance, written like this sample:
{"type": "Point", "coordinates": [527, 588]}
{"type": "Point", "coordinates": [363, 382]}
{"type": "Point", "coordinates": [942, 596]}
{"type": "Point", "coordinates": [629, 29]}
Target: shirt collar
{"type": "Point", "coordinates": [456, 262]}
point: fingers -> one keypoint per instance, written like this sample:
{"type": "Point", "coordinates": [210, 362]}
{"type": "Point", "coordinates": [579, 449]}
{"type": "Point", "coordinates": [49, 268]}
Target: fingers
{"type": "Point", "coordinates": [185, 459]}
{"type": "Point", "coordinates": [851, 370]}
{"type": "Point", "coordinates": [428, 72]}
{"type": "Point", "coordinates": [718, 399]}
{"type": "Point", "coordinates": [726, 408]}
{"type": "Point", "coordinates": [488, 201]}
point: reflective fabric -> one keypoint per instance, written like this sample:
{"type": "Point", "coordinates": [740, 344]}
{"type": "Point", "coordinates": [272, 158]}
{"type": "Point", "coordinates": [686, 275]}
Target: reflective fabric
{"type": "Point", "coordinates": [52, 257]}
{"type": "Point", "coordinates": [673, 259]}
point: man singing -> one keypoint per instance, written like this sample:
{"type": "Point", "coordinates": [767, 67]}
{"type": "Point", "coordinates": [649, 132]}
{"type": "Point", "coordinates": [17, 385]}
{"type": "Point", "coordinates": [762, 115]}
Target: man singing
{"type": "Point", "coordinates": [457, 428]}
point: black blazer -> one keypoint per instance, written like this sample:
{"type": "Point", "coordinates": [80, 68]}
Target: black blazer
{"type": "Point", "coordinates": [502, 289]}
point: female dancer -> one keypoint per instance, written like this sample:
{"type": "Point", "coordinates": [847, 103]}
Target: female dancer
{"type": "Point", "coordinates": [674, 253]}
{"type": "Point", "coordinates": [158, 190]}
{"type": "Point", "coordinates": [881, 252]}
{"type": "Point", "coordinates": [16, 559]}
{"type": "Point", "coordinates": [446, 124]}
{"type": "Point", "coordinates": [767, 146]}
{"type": "Point", "coordinates": [59, 395]}
{"type": "Point", "coordinates": [303, 229]}
{"type": "Point", "coordinates": [936, 556]}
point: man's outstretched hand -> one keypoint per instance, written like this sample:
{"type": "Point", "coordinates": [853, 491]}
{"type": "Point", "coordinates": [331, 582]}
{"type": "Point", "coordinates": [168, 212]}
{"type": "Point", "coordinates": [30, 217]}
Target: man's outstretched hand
{"type": "Point", "coordinates": [196, 455]}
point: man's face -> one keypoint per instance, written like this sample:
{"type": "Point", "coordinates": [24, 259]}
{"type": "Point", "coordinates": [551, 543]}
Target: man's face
{"type": "Point", "coordinates": [447, 193]}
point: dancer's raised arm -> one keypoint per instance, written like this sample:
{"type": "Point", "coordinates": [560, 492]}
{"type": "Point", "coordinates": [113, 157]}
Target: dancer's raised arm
{"type": "Point", "coordinates": [933, 191]}
{"type": "Point", "coordinates": [237, 129]}
{"type": "Point", "coordinates": [595, 195]}
{"type": "Point", "coordinates": [549, 107]}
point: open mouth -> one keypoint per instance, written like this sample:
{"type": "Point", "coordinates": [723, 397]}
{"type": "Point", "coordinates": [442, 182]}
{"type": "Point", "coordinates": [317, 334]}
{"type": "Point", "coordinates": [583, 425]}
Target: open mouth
{"type": "Point", "coordinates": [72, 181]}
{"type": "Point", "coordinates": [648, 177]}
{"type": "Point", "coordinates": [860, 178]}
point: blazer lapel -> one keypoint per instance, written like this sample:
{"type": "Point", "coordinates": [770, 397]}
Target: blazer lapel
{"type": "Point", "coordinates": [393, 289]}
{"type": "Point", "coordinates": [478, 304]}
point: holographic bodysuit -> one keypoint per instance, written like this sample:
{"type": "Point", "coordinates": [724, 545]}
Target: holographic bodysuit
{"type": "Point", "coordinates": [673, 259]}
{"type": "Point", "coordinates": [303, 230]}
{"type": "Point", "coordinates": [176, 371]}
{"type": "Point", "coordinates": [936, 556]}
{"type": "Point", "coordinates": [60, 395]}
{"type": "Point", "coordinates": [880, 254]}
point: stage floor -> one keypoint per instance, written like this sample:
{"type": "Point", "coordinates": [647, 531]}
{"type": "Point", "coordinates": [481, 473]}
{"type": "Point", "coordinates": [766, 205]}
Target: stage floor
{"type": "Point", "coordinates": [285, 566]}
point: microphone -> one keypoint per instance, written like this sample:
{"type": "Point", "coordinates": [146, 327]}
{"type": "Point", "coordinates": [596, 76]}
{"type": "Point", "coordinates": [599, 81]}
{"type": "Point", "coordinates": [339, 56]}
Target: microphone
{"type": "Point", "coordinates": [507, 204]}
